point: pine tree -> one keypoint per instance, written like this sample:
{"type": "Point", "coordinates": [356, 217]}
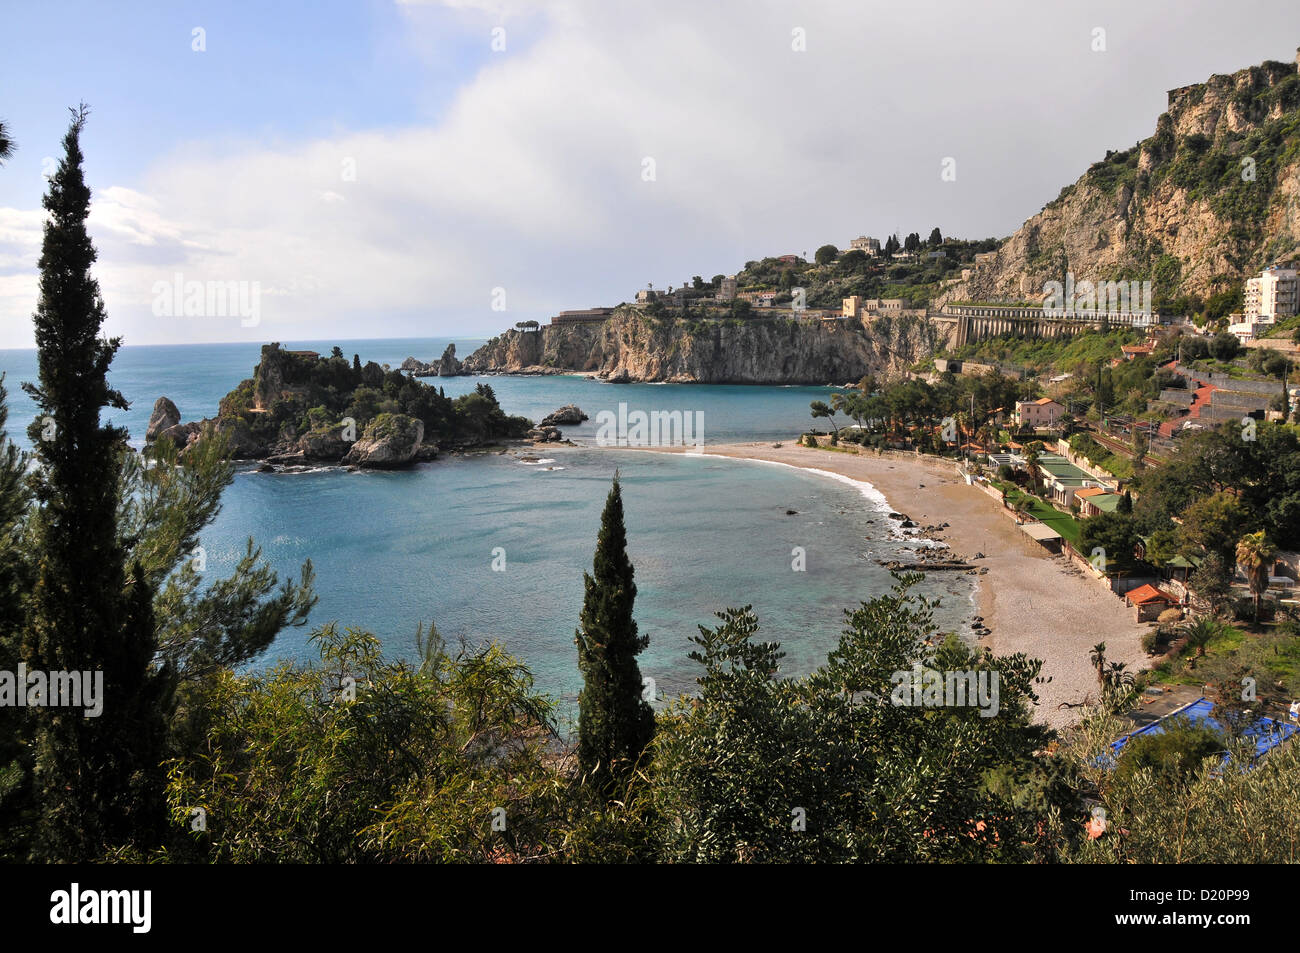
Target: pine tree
{"type": "Point", "coordinates": [615, 724]}
{"type": "Point", "coordinates": [98, 779]}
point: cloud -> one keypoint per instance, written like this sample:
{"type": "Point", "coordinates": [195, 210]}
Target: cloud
{"type": "Point", "coordinates": [533, 178]}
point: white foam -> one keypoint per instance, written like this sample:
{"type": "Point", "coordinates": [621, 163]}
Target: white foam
{"type": "Point", "coordinates": [868, 490]}
{"type": "Point", "coordinates": [537, 463]}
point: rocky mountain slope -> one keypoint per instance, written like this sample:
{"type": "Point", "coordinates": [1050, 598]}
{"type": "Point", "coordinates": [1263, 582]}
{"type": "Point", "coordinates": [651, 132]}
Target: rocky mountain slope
{"type": "Point", "coordinates": [631, 346]}
{"type": "Point", "coordinates": [1211, 197]}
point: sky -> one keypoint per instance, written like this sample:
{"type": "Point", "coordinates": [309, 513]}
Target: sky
{"type": "Point", "coordinates": [394, 168]}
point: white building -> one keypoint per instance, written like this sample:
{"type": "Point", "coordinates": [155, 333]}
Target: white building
{"type": "Point", "coordinates": [1273, 294]}
{"type": "Point", "coordinates": [1248, 328]}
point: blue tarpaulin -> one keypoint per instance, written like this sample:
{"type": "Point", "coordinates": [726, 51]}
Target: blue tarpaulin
{"type": "Point", "coordinates": [1267, 733]}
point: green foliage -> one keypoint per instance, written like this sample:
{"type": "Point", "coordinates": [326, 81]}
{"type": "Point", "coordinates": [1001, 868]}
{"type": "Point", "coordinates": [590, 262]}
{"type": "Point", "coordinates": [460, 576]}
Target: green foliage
{"type": "Point", "coordinates": [1175, 756]}
{"type": "Point", "coordinates": [1259, 477]}
{"type": "Point", "coordinates": [615, 724]}
{"type": "Point", "coordinates": [1116, 535]}
{"type": "Point", "coordinates": [1099, 456]}
{"type": "Point", "coordinates": [769, 769]}
{"type": "Point", "coordinates": [97, 780]}
{"type": "Point", "coordinates": [1234, 816]}
{"type": "Point", "coordinates": [312, 395]}
{"type": "Point", "coordinates": [359, 759]}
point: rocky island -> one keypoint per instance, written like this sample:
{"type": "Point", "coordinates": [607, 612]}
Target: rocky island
{"type": "Point", "coordinates": [300, 408]}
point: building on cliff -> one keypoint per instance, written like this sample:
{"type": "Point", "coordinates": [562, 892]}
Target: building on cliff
{"type": "Point", "coordinates": [583, 316]}
{"type": "Point", "coordinates": [1270, 297]}
{"type": "Point", "coordinates": [1273, 293]}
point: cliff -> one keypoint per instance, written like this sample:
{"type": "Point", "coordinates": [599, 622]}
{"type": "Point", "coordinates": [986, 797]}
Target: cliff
{"type": "Point", "coordinates": [1211, 197]}
{"type": "Point", "coordinates": [767, 350]}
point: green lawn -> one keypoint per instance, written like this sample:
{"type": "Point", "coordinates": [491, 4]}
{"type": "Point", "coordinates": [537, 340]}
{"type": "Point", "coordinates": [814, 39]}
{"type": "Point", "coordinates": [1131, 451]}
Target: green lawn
{"type": "Point", "coordinates": [1271, 655]}
{"type": "Point", "coordinates": [1063, 523]}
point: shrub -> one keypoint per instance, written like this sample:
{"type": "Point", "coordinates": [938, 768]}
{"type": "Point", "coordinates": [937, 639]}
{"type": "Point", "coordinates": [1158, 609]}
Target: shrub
{"type": "Point", "coordinates": [1243, 609]}
{"type": "Point", "coordinates": [1175, 756]}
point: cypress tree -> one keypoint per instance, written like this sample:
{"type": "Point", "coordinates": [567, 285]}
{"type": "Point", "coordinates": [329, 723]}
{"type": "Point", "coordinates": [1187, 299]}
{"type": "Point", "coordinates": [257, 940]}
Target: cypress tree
{"type": "Point", "coordinates": [98, 779]}
{"type": "Point", "coordinates": [615, 724]}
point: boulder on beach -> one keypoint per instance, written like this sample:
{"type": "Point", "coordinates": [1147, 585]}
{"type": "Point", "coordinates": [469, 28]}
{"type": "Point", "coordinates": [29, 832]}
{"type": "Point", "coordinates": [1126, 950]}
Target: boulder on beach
{"type": "Point", "coordinates": [164, 415]}
{"type": "Point", "coordinates": [567, 415]}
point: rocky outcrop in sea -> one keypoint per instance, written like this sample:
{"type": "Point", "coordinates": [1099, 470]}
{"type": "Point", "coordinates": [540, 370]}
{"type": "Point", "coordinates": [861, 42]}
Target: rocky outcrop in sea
{"type": "Point", "coordinates": [445, 366]}
{"type": "Point", "coordinates": [567, 415]}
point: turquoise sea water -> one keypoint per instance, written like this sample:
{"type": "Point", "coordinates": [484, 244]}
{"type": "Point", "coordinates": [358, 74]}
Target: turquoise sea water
{"type": "Point", "coordinates": [392, 550]}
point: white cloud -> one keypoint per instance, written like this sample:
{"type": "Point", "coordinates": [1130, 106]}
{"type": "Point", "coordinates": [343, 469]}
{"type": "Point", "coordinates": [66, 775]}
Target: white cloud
{"type": "Point", "coordinates": [532, 178]}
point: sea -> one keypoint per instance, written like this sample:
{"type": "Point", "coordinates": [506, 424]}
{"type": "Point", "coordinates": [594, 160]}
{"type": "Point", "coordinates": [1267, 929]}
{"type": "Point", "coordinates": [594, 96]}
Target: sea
{"type": "Point", "coordinates": [493, 547]}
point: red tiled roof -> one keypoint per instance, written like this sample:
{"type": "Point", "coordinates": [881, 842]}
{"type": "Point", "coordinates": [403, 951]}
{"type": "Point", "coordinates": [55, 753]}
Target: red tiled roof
{"type": "Point", "coordinates": [1145, 594]}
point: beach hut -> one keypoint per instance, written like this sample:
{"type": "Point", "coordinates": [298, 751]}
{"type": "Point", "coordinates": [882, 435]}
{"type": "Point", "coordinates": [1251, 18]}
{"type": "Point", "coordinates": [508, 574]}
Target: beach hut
{"type": "Point", "coordinates": [1148, 601]}
{"type": "Point", "coordinates": [1043, 534]}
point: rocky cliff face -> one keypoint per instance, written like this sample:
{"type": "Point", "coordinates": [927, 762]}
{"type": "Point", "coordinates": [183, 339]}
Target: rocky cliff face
{"type": "Point", "coordinates": [389, 441]}
{"type": "Point", "coordinates": [1211, 197]}
{"type": "Point", "coordinates": [779, 350]}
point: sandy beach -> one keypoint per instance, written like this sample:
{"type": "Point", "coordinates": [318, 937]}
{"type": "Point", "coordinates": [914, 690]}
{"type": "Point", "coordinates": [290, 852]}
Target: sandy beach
{"type": "Point", "coordinates": [1032, 601]}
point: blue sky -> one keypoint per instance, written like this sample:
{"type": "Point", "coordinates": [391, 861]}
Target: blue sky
{"type": "Point", "coordinates": [476, 170]}
{"type": "Point", "coordinates": [270, 71]}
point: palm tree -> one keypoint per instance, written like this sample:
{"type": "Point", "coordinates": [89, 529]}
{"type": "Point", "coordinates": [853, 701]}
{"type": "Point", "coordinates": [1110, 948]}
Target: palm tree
{"type": "Point", "coordinates": [1117, 687]}
{"type": "Point", "coordinates": [1255, 554]}
{"type": "Point", "coordinates": [1200, 633]}
{"type": "Point", "coordinates": [1097, 659]}
{"type": "Point", "coordinates": [6, 144]}
{"type": "Point", "coordinates": [1032, 452]}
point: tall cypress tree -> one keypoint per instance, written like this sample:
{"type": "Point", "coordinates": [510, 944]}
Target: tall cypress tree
{"type": "Point", "coordinates": [615, 724]}
{"type": "Point", "coordinates": [98, 779]}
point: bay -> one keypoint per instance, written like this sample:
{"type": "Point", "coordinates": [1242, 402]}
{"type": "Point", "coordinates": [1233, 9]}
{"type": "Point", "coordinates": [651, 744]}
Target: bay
{"type": "Point", "coordinates": [393, 550]}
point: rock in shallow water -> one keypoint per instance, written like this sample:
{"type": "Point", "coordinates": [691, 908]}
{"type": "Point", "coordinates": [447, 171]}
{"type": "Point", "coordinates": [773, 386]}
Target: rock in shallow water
{"type": "Point", "coordinates": [390, 441]}
{"type": "Point", "coordinates": [567, 415]}
{"type": "Point", "coordinates": [164, 416]}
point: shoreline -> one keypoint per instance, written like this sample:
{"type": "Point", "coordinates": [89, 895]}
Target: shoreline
{"type": "Point", "coordinates": [1032, 601]}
